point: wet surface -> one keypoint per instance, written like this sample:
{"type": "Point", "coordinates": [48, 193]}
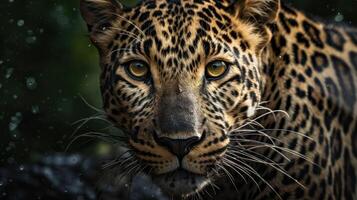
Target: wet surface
{"type": "Point", "coordinates": [69, 177]}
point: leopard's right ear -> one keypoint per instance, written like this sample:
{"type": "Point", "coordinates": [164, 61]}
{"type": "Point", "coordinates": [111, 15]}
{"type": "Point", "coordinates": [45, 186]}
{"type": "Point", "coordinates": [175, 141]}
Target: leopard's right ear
{"type": "Point", "coordinates": [98, 13]}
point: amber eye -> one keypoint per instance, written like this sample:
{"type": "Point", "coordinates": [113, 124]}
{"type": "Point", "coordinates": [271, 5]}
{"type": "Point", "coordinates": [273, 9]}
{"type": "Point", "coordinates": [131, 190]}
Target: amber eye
{"type": "Point", "coordinates": [137, 69]}
{"type": "Point", "coordinates": [216, 69]}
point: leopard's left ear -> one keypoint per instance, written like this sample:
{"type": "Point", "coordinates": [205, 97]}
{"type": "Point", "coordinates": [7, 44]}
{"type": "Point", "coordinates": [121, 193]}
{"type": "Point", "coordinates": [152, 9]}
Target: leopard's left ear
{"type": "Point", "coordinates": [97, 12]}
{"type": "Point", "coordinates": [260, 12]}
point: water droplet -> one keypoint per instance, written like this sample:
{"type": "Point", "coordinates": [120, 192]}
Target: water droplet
{"type": "Point", "coordinates": [15, 121]}
{"type": "Point", "coordinates": [20, 22]}
{"type": "Point", "coordinates": [339, 17]}
{"type": "Point", "coordinates": [1, 184]}
{"type": "Point", "coordinates": [12, 126]}
{"type": "Point", "coordinates": [11, 1]}
{"type": "Point", "coordinates": [31, 83]}
{"type": "Point", "coordinates": [31, 40]}
{"type": "Point", "coordinates": [15, 96]}
{"type": "Point", "coordinates": [1, 62]}
{"type": "Point", "coordinates": [21, 168]}
{"type": "Point", "coordinates": [35, 109]}
{"type": "Point", "coordinates": [9, 72]}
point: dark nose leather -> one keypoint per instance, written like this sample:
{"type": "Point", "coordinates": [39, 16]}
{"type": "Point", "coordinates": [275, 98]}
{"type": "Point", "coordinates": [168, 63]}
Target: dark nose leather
{"type": "Point", "coordinates": [179, 147]}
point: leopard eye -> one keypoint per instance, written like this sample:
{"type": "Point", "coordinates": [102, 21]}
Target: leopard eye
{"type": "Point", "coordinates": [137, 69]}
{"type": "Point", "coordinates": [216, 70]}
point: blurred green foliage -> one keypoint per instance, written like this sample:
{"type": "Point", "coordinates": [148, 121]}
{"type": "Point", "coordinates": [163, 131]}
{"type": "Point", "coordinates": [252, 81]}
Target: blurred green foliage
{"type": "Point", "coordinates": [47, 64]}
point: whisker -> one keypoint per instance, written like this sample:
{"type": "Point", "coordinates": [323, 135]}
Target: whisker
{"type": "Point", "coordinates": [263, 144]}
{"type": "Point", "coordinates": [242, 169]}
{"type": "Point", "coordinates": [287, 150]}
{"type": "Point", "coordinates": [281, 170]}
{"type": "Point", "coordinates": [251, 158]}
{"type": "Point", "coordinates": [229, 175]}
{"type": "Point", "coordinates": [230, 164]}
{"type": "Point", "coordinates": [105, 137]}
{"type": "Point", "coordinates": [130, 22]}
{"type": "Point", "coordinates": [119, 159]}
{"type": "Point", "coordinates": [128, 33]}
{"type": "Point", "coordinates": [261, 116]}
{"type": "Point", "coordinates": [284, 130]}
{"type": "Point", "coordinates": [248, 167]}
{"type": "Point", "coordinates": [90, 105]}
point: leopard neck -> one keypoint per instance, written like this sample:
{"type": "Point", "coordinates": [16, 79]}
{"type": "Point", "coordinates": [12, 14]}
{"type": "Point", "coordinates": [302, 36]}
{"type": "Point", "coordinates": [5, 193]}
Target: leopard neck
{"type": "Point", "coordinates": [285, 54]}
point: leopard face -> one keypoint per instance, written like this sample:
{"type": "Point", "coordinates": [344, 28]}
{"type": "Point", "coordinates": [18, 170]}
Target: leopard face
{"type": "Point", "coordinates": [178, 77]}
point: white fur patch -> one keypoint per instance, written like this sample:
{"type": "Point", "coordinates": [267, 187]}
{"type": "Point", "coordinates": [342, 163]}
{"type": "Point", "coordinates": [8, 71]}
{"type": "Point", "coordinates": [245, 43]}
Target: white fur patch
{"type": "Point", "coordinates": [251, 111]}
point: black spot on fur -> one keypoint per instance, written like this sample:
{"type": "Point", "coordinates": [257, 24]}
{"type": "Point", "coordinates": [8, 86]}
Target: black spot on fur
{"type": "Point", "coordinates": [319, 61]}
{"type": "Point", "coordinates": [349, 175]}
{"type": "Point", "coordinates": [284, 23]}
{"type": "Point", "coordinates": [354, 140]}
{"type": "Point", "coordinates": [336, 145]}
{"type": "Point", "coordinates": [204, 25]}
{"type": "Point", "coordinates": [337, 186]}
{"type": "Point", "coordinates": [313, 33]}
{"type": "Point", "coordinates": [335, 39]}
{"type": "Point", "coordinates": [144, 16]}
{"type": "Point", "coordinates": [302, 39]}
{"type": "Point", "coordinates": [288, 9]}
{"type": "Point", "coordinates": [353, 58]}
{"type": "Point", "coordinates": [345, 80]}
{"type": "Point", "coordinates": [353, 36]}
{"type": "Point", "coordinates": [147, 46]}
{"type": "Point", "coordinates": [206, 47]}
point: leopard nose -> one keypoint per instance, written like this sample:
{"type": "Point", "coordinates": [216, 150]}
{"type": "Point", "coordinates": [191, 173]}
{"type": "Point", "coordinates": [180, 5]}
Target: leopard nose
{"type": "Point", "coordinates": [179, 147]}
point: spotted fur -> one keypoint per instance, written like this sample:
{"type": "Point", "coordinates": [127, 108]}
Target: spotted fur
{"type": "Point", "coordinates": [280, 61]}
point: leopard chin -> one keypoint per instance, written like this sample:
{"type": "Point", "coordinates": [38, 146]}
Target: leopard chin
{"type": "Point", "coordinates": [181, 183]}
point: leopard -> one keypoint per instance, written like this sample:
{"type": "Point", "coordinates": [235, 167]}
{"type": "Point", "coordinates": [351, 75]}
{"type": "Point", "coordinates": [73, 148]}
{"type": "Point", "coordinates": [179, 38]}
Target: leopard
{"type": "Point", "coordinates": [242, 99]}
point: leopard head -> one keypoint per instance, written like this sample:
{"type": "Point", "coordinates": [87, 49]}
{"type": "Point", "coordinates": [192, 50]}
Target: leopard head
{"type": "Point", "coordinates": [178, 76]}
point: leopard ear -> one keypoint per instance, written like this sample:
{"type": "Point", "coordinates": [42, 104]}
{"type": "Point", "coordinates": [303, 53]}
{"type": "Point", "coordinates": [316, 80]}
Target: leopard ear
{"type": "Point", "coordinates": [99, 12]}
{"type": "Point", "coordinates": [261, 12]}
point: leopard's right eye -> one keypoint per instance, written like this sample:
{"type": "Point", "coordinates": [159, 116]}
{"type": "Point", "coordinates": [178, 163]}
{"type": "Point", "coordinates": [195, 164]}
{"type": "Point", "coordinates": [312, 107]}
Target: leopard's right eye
{"type": "Point", "coordinates": [137, 69]}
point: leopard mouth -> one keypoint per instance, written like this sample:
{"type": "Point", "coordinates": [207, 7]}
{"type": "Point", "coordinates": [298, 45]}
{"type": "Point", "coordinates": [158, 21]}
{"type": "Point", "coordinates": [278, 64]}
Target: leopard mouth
{"type": "Point", "coordinates": [181, 183]}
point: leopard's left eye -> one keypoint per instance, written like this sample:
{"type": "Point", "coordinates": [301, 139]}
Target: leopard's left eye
{"type": "Point", "coordinates": [216, 70]}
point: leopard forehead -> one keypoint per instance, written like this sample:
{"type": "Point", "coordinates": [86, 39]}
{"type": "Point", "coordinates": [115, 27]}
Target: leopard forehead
{"type": "Point", "coordinates": [177, 36]}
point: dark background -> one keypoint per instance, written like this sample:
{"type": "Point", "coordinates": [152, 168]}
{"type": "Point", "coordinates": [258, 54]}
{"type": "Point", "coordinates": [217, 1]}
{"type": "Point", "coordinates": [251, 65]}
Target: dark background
{"type": "Point", "coordinates": [47, 68]}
